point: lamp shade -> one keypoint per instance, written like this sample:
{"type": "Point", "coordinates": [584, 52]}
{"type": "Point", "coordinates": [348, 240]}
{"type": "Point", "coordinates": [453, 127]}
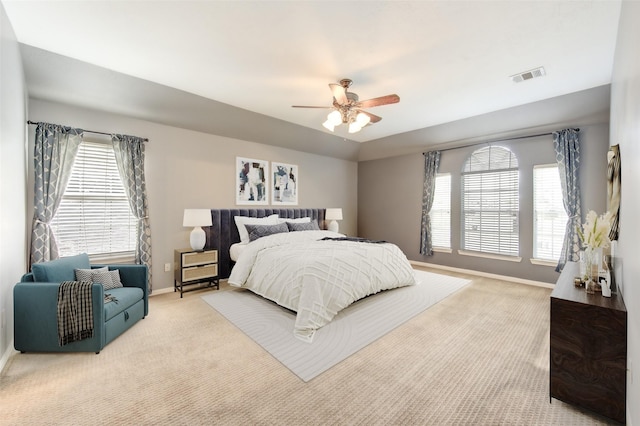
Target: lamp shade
{"type": "Point", "coordinates": [329, 125]}
{"type": "Point", "coordinates": [354, 127]}
{"type": "Point", "coordinates": [197, 217]}
{"type": "Point", "coordinates": [333, 214]}
{"type": "Point", "coordinates": [335, 117]}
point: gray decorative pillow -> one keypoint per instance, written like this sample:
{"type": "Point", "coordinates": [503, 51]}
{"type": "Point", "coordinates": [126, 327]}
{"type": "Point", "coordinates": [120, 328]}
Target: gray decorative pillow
{"type": "Point", "coordinates": [115, 278]}
{"type": "Point", "coordinates": [108, 279]}
{"type": "Point", "coordinates": [308, 226]}
{"type": "Point", "coordinates": [259, 231]}
{"type": "Point", "coordinates": [103, 278]}
{"type": "Point", "coordinates": [87, 274]}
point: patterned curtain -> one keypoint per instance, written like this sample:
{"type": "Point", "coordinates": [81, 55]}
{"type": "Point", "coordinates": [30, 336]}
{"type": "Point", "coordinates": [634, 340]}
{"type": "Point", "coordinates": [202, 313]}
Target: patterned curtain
{"type": "Point", "coordinates": [431, 163]}
{"type": "Point", "coordinates": [129, 152]}
{"type": "Point", "coordinates": [54, 153]}
{"type": "Point", "coordinates": [613, 189]}
{"type": "Point", "coordinates": [567, 146]}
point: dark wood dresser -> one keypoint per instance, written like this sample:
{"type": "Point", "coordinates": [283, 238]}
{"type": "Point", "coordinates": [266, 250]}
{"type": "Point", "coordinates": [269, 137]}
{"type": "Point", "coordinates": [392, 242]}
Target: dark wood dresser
{"type": "Point", "coordinates": [588, 356]}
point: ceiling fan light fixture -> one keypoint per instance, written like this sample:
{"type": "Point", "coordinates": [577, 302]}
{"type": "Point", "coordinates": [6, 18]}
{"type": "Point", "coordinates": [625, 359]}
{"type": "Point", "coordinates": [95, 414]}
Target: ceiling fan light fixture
{"type": "Point", "coordinates": [335, 117]}
{"type": "Point", "coordinates": [354, 127]}
{"type": "Point", "coordinates": [348, 109]}
{"type": "Point", "coordinates": [328, 125]}
{"type": "Point", "coordinates": [362, 119]}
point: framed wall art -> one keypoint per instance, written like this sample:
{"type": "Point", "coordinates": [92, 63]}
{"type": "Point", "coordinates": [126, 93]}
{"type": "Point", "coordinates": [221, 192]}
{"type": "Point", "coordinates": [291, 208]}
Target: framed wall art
{"type": "Point", "coordinates": [284, 186]}
{"type": "Point", "coordinates": [252, 181]}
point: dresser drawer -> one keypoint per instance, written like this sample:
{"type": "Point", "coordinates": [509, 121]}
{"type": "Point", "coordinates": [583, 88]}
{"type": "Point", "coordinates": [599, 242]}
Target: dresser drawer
{"type": "Point", "coordinates": [199, 258]}
{"type": "Point", "coordinates": [199, 272]}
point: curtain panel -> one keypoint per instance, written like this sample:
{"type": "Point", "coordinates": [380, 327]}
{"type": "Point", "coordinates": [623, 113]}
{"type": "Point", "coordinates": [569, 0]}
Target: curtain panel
{"type": "Point", "coordinates": [567, 147]}
{"type": "Point", "coordinates": [129, 152]}
{"type": "Point", "coordinates": [431, 163]}
{"type": "Point", "coordinates": [55, 150]}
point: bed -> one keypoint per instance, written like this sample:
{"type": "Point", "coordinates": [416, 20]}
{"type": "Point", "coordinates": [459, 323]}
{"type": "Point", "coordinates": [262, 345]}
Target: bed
{"type": "Point", "coordinates": [292, 261]}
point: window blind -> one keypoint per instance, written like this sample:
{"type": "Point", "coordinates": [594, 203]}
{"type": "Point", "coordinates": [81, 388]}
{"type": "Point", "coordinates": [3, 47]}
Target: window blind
{"type": "Point", "coordinates": [441, 212]}
{"type": "Point", "coordinates": [550, 218]}
{"type": "Point", "coordinates": [94, 216]}
{"type": "Point", "coordinates": [490, 202]}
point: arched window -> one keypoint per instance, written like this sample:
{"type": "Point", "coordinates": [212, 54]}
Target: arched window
{"type": "Point", "coordinates": [490, 202]}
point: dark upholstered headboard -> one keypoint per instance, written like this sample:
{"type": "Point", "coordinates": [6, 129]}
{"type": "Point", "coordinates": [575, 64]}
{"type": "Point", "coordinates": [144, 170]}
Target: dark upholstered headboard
{"type": "Point", "coordinates": [224, 232]}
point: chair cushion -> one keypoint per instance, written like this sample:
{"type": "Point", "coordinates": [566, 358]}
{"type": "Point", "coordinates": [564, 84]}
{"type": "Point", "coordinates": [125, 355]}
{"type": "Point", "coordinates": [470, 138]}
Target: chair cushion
{"type": "Point", "coordinates": [125, 298]}
{"type": "Point", "coordinates": [59, 270]}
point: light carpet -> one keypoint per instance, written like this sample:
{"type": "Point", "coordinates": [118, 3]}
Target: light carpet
{"type": "Point", "coordinates": [353, 328]}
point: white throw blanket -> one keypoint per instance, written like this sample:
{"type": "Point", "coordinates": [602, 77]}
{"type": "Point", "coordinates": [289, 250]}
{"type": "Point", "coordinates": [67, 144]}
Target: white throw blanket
{"type": "Point", "coordinates": [317, 279]}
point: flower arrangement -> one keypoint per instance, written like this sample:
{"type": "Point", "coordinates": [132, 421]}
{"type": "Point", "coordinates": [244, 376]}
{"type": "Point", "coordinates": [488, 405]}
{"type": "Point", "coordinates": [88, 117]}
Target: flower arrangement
{"type": "Point", "coordinates": [595, 231]}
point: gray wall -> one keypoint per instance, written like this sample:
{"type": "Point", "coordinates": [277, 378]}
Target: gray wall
{"type": "Point", "coordinates": [625, 130]}
{"type": "Point", "coordinates": [12, 179]}
{"type": "Point", "coordinates": [390, 197]}
{"type": "Point", "coordinates": [191, 169]}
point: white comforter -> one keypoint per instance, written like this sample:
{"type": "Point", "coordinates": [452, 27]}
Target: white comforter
{"type": "Point", "coordinates": [317, 279]}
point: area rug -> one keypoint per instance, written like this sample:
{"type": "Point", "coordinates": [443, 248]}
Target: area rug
{"type": "Point", "coordinates": [365, 321]}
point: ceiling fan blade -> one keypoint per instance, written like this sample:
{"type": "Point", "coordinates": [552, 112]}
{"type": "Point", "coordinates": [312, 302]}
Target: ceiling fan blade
{"type": "Point", "coordinates": [306, 106]}
{"type": "Point", "coordinates": [339, 93]}
{"type": "Point", "coordinates": [382, 100]}
{"type": "Point", "coordinates": [374, 118]}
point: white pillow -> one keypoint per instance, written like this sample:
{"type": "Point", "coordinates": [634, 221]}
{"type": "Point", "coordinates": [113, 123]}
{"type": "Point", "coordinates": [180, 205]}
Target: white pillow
{"type": "Point", "coordinates": [246, 220]}
{"type": "Point", "coordinates": [299, 220]}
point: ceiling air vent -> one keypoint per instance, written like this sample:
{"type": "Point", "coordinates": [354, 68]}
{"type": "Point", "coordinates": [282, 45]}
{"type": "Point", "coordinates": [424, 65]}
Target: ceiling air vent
{"type": "Point", "coordinates": [528, 75]}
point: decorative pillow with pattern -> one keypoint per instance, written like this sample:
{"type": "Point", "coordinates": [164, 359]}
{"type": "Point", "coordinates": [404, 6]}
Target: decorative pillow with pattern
{"type": "Point", "coordinates": [115, 278]}
{"type": "Point", "coordinates": [86, 274]}
{"type": "Point", "coordinates": [308, 226]}
{"type": "Point", "coordinates": [299, 220]}
{"type": "Point", "coordinates": [259, 231]}
{"type": "Point", "coordinates": [108, 279]}
{"type": "Point", "coordinates": [242, 221]}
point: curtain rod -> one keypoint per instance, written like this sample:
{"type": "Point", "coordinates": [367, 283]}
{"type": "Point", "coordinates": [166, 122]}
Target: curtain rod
{"type": "Point", "coordinates": [496, 140]}
{"type": "Point", "coordinates": [89, 131]}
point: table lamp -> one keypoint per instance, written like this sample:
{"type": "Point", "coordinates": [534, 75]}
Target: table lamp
{"type": "Point", "coordinates": [333, 215]}
{"type": "Point", "coordinates": [197, 218]}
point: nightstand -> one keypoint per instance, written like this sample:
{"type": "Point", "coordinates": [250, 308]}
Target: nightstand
{"type": "Point", "coordinates": [194, 267]}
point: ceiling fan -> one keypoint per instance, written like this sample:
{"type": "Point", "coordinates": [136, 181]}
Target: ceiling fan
{"type": "Point", "coordinates": [348, 109]}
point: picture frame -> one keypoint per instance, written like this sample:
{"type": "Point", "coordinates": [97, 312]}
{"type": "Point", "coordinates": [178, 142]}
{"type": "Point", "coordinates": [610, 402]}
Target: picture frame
{"type": "Point", "coordinates": [284, 184]}
{"type": "Point", "coordinates": [252, 181]}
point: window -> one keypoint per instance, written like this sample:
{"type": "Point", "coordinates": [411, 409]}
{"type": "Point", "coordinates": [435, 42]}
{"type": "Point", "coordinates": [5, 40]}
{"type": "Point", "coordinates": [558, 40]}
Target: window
{"type": "Point", "coordinates": [549, 216]}
{"type": "Point", "coordinates": [490, 202]}
{"type": "Point", "coordinates": [94, 216]}
{"type": "Point", "coordinates": [441, 212]}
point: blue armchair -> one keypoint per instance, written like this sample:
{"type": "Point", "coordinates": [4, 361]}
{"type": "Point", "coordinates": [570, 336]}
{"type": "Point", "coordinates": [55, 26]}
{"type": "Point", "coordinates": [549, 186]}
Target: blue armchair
{"type": "Point", "coordinates": [35, 305]}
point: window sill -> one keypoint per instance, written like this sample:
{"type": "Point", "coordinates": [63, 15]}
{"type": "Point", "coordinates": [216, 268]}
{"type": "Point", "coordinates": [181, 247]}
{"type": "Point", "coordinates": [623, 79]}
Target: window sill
{"type": "Point", "coordinates": [516, 259]}
{"type": "Point", "coordinates": [542, 262]}
{"type": "Point", "coordinates": [116, 258]}
{"type": "Point", "coordinates": [442, 250]}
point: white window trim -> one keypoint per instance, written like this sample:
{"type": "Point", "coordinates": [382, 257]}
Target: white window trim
{"type": "Point", "coordinates": [543, 262]}
{"type": "Point", "coordinates": [493, 256]}
{"type": "Point", "coordinates": [443, 250]}
{"type": "Point", "coordinates": [123, 257]}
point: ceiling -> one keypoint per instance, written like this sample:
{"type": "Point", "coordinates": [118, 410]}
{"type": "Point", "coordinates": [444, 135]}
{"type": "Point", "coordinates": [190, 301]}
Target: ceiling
{"type": "Point", "coordinates": [447, 60]}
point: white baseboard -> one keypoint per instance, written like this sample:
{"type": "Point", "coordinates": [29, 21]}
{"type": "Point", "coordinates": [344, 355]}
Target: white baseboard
{"type": "Point", "coordinates": [6, 355]}
{"type": "Point", "coordinates": [483, 274]}
{"type": "Point", "coordinates": [161, 291]}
